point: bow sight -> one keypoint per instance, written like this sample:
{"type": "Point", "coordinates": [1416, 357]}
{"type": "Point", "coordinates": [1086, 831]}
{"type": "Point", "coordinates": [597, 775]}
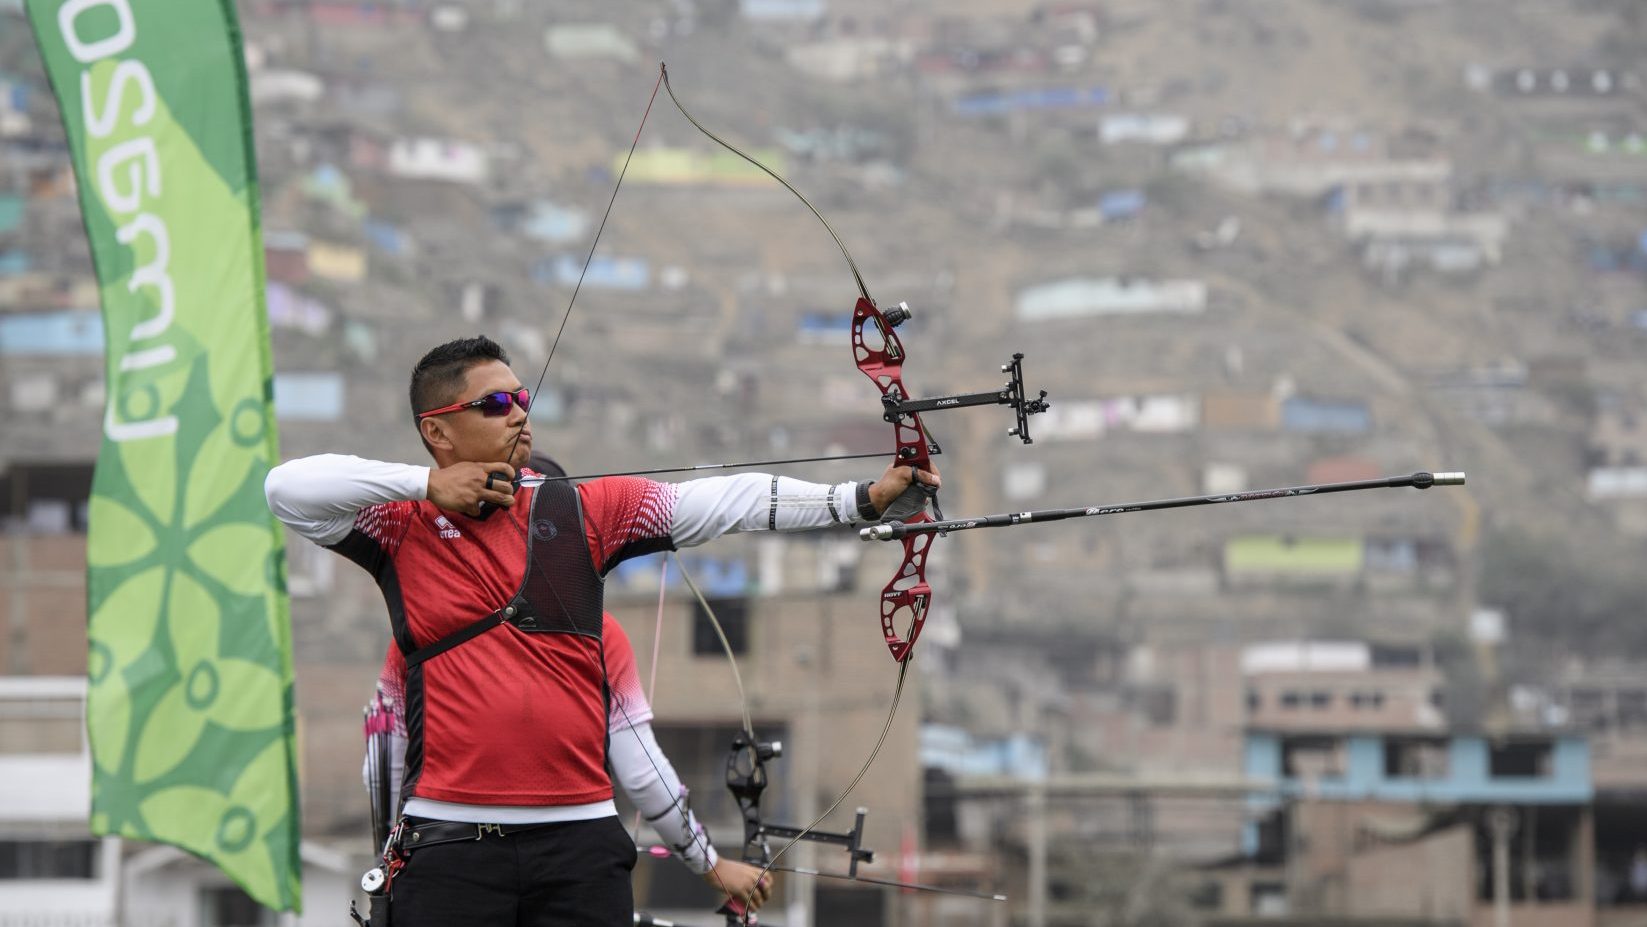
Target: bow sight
{"type": "Point", "coordinates": [880, 357]}
{"type": "Point", "coordinates": [1011, 393]}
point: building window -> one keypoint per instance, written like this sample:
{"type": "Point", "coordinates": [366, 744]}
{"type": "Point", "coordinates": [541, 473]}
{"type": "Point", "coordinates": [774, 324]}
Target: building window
{"type": "Point", "coordinates": [41, 725]}
{"type": "Point", "coordinates": [1370, 701]}
{"type": "Point", "coordinates": [1320, 700]}
{"type": "Point", "coordinates": [1632, 708]}
{"type": "Point", "coordinates": [1272, 838]}
{"type": "Point", "coordinates": [1159, 705]}
{"type": "Point", "coordinates": [231, 907]}
{"type": "Point", "coordinates": [1291, 699]}
{"type": "Point", "coordinates": [45, 498]}
{"type": "Point", "coordinates": [48, 859]}
{"type": "Point", "coordinates": [1255, 700]}
{"type": "Point", "coordinates": [1521, 759]}
{"type": "Point", "coordinates": [734, 618]}
{"type": "Point", "coordinates": [1415, 757]}
{"type": "Point", "coordinates": [1268, 899]}
{"type": "Point", "coordinates": [1396, 657]}
{"type": "Point", "coordinates": [1208, 896]}
{"type": "Point", "coordinates": [1312, 757]}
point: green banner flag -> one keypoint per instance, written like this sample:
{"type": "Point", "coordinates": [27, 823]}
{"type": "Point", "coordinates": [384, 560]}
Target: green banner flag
{"type": "Point", "coordinates": [189, 707]}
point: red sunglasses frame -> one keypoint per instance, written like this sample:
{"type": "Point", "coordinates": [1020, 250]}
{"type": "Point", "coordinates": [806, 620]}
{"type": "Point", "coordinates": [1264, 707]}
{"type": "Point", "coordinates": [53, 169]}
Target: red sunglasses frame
{"type": "Point", "coordinates": [521, 397]}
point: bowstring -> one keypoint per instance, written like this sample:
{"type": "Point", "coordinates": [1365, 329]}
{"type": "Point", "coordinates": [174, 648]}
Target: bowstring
{"type": "Point", "coordinates": [521, 527]}
{"type": "Point", "coordinates": [886, 728]}
{"type": "Point", "coordinates": [588, 259]}
{"type": "Point", "coordinates": [663, 80]}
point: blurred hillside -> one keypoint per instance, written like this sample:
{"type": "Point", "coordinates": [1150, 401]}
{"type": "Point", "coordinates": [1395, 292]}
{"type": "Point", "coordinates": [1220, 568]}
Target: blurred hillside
{"type": "Point", "coordinates": [1241, 245]}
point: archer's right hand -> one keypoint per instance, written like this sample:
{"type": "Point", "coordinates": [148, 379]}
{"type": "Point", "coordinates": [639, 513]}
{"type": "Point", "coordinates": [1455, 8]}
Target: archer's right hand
{"type": "Point", "coordinates": [741, 882]}
{"type": "Point", "coordinates": [461, 487]}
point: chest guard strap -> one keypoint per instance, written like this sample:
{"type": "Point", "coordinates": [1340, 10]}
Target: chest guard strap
{"type": "Point", "coordinates": [561, 592]}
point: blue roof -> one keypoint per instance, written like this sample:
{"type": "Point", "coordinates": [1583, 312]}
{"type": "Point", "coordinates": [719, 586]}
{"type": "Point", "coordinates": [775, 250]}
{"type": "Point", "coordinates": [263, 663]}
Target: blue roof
{"type": "Point", "coordinates": [11, 211]}
{"type": "Point", "coordinates": [1120, 204]}
{"type": "Point", "coordinates": [995, 103]}
{"type": "Point", "coordinates": [1325, 415]}
{"type": "Point", "coordinates": [606, 273]}
{"type": "Point", "coordinates": [719, 577]}
{"type": "Point", "coordinates": [70, 332]}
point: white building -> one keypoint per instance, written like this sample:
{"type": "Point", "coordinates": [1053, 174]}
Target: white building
{"type": "Point", "coordinates": [1089, 296]}
{"type": "Point", "coordinates": [54, 872]}
{"type": "Point", "coordinates": [438, 159]}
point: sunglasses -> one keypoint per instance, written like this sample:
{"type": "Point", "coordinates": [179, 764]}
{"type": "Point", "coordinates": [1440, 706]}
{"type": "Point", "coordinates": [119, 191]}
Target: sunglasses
{"type": "Point", "coordinates": [490, 405]}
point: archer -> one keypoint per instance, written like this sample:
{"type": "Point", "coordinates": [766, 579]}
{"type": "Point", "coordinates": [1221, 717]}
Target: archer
{"type": "Point", "coordinates": [499, 622]}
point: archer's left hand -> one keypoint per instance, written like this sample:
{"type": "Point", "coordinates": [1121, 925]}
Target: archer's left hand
{"type": "Point", "coordinates": [886, 490]}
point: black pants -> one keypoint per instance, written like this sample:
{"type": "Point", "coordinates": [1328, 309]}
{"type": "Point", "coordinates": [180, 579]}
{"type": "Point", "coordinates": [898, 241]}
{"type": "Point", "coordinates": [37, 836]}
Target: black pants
{"type": "Point", "coordinates": [574, 874]}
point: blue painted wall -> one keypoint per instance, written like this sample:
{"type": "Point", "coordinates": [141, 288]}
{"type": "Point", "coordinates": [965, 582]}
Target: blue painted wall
{"type": "Point", "coordinates": [1467, 779]}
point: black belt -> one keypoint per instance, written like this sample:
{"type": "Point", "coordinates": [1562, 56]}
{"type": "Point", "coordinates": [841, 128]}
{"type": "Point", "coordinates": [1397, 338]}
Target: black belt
{"type": "Point", "coordinates": [418, 834]}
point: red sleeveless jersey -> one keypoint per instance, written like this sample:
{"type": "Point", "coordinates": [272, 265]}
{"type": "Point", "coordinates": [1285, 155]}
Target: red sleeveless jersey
{"type": "Point", "coordinates": [508, 717]}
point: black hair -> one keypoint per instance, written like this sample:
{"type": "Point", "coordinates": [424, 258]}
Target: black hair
{"type": "Point", "coordinates": [439, 375]}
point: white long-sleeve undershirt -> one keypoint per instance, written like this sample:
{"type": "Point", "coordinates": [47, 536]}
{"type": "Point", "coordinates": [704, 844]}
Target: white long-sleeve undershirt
{"type": "Point", "coordinates": [641, 769]}
{"type": "Point", "coordinates": [319, 497]}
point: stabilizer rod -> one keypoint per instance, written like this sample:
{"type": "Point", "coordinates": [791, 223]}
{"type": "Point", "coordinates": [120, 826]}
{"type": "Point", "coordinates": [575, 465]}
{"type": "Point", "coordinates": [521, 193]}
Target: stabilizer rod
{"type": "Point", "coordinates": [894, 530]}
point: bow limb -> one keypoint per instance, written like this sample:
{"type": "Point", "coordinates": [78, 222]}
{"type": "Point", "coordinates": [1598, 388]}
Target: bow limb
{"type": "Point", "coordinates": [879, 354]}
{"type": "Point", "coordinates": [726, 643]}
{"type": "Point", "coordinates": [735, 911]}
{"type": "Point", "coordinates": [663, 72]}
